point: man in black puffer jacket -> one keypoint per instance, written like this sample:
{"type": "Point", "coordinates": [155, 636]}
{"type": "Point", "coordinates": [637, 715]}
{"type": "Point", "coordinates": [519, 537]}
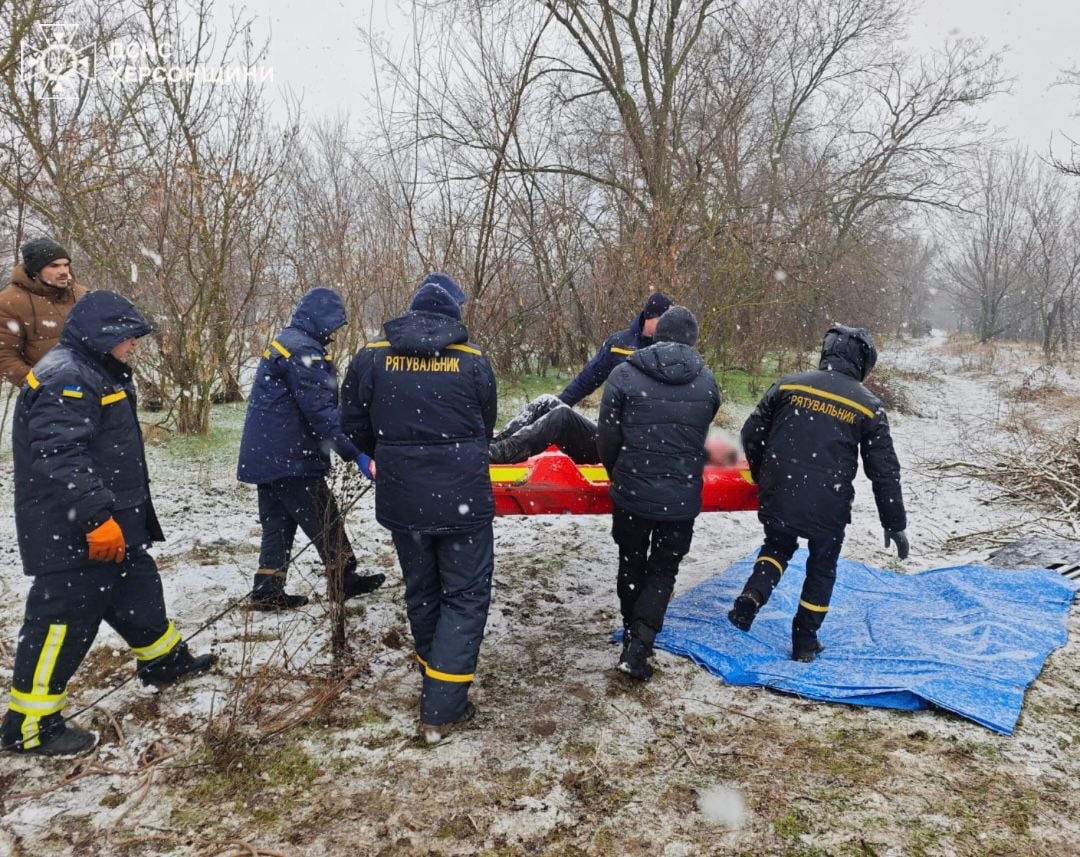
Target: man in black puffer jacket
{"type": "Point", "coordinates": [84, 520]}
{"type": "Point", "coordinates": [802, 443]}
{"type": "Point", "coordinates": [422, 404]}
{"type": "Point", "coordinates": [654, 418]}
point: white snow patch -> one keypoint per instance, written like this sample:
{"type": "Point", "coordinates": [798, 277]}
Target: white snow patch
{"type": "Point", "coordinates": [723, 805]}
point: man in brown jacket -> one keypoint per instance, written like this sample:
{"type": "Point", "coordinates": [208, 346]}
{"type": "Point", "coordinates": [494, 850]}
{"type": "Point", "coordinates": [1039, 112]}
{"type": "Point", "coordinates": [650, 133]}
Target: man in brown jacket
{"type": "Point", "coordinates": [34, 307]}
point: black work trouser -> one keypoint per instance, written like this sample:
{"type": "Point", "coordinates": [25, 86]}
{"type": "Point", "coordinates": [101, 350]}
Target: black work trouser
{"type": "Point", "coordinates": [649, 557]}
{"type": "Point", "coordinates": [307, 502]}
{"type": "Point", "coordinates": [773, 559]}
{"type": "Point", "coordinates": [447, 594]}
{"type": "Point", "coordinates": [565, 428]}
{"type": "Point", "coordinates": [63, 613]}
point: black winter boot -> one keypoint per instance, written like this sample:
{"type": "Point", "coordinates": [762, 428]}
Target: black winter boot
{"type": "Point", "coordinates": [635, 660]}
{"type": "Point", "coordinates": [804, 640]}
{"type": "Point", "coordinates": [60, 740]}
{"type": "Point", "coordinates": [174, 666]}
{"type": "Point", "coordinates": [268, 593]}
{"type": "Point", "coordinates": [362, 584]}
{"type": "Point", "coordinates": [745, 609]}
{"type": "Point", "coordinates": [806, 652]}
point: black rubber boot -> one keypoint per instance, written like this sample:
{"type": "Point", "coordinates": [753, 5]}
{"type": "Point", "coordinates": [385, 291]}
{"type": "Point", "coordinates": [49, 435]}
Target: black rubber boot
{"type": "Point", "coordinates": [744, 611]}
{"type": "Point", "coordinates": [635, 660]}
{"type": "Point", "coordinates": [177, 664]}
{"type": "Point", "coordinates": [362, 584]}
{"type": "Point", "coordinates": [63, 740]}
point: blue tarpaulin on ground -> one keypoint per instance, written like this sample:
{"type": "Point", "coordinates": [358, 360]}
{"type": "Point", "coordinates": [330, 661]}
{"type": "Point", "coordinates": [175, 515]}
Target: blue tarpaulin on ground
{"type": "Point", "coordinates": [969, 639]}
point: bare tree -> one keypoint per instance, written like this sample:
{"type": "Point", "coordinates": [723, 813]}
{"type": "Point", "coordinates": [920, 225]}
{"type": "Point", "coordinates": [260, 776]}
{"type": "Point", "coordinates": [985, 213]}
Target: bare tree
{"type": "Point", "coordinates": [993, 248]}
{"type": "Point", "coordinates": [1053, 279]}
{"type": "Point", "coordinates": [1070, 166]}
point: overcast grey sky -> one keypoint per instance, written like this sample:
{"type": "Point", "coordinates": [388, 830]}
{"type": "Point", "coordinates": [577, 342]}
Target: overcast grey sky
{"type": "Point", "coordinates": [316, 51]}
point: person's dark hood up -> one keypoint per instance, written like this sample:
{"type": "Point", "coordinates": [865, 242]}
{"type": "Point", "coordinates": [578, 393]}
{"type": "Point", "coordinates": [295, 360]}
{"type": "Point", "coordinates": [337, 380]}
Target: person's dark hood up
{"type": "Point", "coordinates": [101, 320]}
{"type": "Point", "coordinates": [448, 284]}
{"type": "Point", "coordinates": [319, 313]}
{"type": "Point", "coordinates": [432, 323]}
{"type": "Point", "coordinates": [848, 350]}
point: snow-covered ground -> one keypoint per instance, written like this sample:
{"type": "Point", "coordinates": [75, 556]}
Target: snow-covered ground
{"type": "Point", "coordinates": [565, 756]}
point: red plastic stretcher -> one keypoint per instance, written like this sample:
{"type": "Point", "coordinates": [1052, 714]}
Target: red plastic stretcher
{"type": "Point", "coordinates": [551, 484]}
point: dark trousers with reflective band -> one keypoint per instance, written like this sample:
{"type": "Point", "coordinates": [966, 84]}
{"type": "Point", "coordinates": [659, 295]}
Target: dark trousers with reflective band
{"type": "Point", "coordinates": [447, 593]}
{"type": "Point", "coordinates": [308, 503]}
{"type": "Point", "coordinates": [63, 613]}
{"type": "Point", "coordinates": [773, 559]}
{"type": "Point", "coordinates": [565, 428]}
{"type": "Point", "coordinates": [649, 557]}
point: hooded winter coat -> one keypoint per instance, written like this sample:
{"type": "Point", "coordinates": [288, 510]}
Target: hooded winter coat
{"type": "Point", "coordinates": [292, 420]}
{"type": "Point", "coordinates": [32, 315]}
{"type": "Point", "coordinates": [422, 403]}
{"type": "Point", "coordinates": [613, 352]}
{"type": "Point", "coordinates": [803, 442]}
{"type": "Point", "coordinates": [77, 449]}
{"type": "Point", "coordinates": [654, 417]}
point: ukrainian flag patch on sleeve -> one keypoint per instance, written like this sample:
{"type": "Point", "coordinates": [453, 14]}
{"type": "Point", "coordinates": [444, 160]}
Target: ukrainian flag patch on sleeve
{"type": "Point", "coordinates": [73, 392]}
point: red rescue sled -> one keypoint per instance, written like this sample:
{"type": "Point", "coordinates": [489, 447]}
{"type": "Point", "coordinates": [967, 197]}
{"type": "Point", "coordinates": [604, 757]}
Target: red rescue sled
{"type": "Point", "coordinates": [551, 484]}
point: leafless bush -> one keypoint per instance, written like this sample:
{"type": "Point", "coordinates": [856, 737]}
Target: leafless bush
{"type": "Point", "coordinates": [1041, 469]}
{"type": "Point", "coordinates": [1039, 385]}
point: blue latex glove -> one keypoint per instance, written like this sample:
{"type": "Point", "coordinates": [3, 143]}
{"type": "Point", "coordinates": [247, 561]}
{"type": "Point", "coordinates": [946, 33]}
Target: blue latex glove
{"type": "Point", "coordinates": [366, 466]}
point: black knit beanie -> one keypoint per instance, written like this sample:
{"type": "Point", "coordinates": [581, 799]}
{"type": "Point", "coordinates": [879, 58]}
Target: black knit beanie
{"type": "Point", "coordinates": [39, 252]}
{"type": "Point", "coordinates": [677, 325]}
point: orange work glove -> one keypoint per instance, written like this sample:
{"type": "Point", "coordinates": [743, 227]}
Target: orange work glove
{"type": "Point", "coordinates": [106, 542]}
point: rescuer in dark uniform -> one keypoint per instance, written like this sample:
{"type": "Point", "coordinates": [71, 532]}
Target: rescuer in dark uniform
{"type": "Point", "coordinates": [84, 519]}
{"type": "Point", "coordinates": [545, 421]}
{"type": "Point", "coordinates": [616, 349]}
{"type": "Point", "coordinates": [292, 423]}
{"type": "Point", "coordinates": [802, 443]}
{"type": "Point", "coordinates": [422, 404]}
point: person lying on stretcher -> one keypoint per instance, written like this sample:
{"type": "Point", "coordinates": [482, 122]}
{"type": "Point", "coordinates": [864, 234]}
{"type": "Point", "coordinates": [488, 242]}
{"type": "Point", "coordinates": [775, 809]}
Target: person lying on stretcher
{"type": "Point", "coordinates": [548, 421]}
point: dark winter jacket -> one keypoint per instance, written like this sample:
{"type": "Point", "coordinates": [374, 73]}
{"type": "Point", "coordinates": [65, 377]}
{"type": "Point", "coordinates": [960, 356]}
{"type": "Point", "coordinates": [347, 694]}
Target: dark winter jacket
{"type": "Point", "coordinates": [654, 417]}
{"type": "Point", "coordinates": [292, 420]}
{"type": "Point", "coordinates": [78, 453]}
{"type": "Point", "coordinates": [422, 404]}
{"type": "Point", "coordinates": [803, 442]}
{"type": "Point", "coordinates": [613, 352]}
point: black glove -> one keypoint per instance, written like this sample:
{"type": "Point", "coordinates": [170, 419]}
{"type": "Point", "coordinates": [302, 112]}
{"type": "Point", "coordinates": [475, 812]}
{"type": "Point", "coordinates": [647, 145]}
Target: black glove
{"type": "Point", "coordinates": [899, 538]}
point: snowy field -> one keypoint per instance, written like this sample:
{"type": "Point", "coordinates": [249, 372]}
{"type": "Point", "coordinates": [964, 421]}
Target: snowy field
{"type": "Point", "coordinates": [272, 754]}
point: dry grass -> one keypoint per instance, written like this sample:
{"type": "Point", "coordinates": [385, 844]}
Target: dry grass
{"type": "Point", "coordinates": [1039, 385]}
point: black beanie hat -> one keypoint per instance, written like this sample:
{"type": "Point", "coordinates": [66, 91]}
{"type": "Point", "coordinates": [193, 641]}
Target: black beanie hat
{"type": "Point", "coordinates": [657, 305]}
{"type": "Point", "coordinates": [39, 252]}
{"type": "Point", "coordinates": [677, 325]}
